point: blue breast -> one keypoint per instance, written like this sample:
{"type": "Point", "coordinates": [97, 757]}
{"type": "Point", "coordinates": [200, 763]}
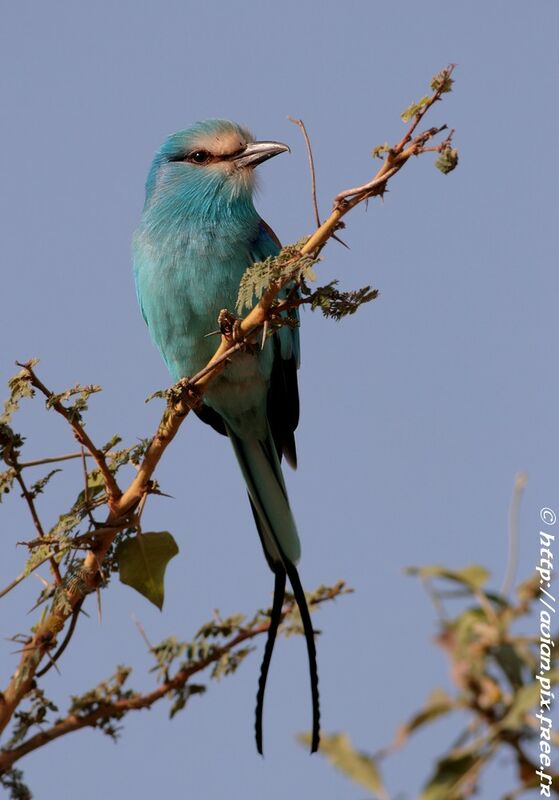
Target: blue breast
{"type": "Point", "coordinates": [185, 273]}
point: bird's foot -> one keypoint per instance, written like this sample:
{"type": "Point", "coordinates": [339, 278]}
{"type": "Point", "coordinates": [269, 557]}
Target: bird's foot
{"type": "Point", "coordinates": [185, 391]}
{"type": "Point", "coordinates": [230, 326]}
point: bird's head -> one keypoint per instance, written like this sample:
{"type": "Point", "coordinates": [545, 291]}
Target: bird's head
{"type": "Point", "coordinates": [214, 159]}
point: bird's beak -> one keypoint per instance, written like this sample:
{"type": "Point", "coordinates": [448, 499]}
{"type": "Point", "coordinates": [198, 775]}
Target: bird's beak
{"type": "Point", "coordinates": [257, 152]}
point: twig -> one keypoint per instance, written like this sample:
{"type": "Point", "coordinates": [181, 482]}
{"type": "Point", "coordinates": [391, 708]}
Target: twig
{"type": "Point", "coordinates": [303, 128]}
{"type": "Point", "coordinates": [122, 505]}
{"type": "Point", "coordinates": [301, 125]}
{"type": "Point", "coordinates": [113, 490]}
{"type": "Point", "coordinates": [136, 702]}
{"type": "Point", "coordinates": [52, 460]}
{"type": "Point", "coordinates": [66, 641]}
{"type": "Point", "coordinates": [11, 459]}
{"type": "Point", "coordinates": [21, 577]}
{"type": "Point", "coordinates": [512, 553]}
{"type": "Point", "coordinates": [142, 632]}
{"type": "Point", "coordinates": [86, 490]}
{"type": "Point", "coordinates": [435, 97]}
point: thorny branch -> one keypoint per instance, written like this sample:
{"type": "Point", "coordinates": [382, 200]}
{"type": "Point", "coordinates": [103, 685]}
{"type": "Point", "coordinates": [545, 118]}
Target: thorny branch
{"type": "Point", "coordinates": [10, 457]}
{"type": "Point", "coordinates": [115, 709]}
{"type": "Point", "coordinates": [113, 491]}
{"type": "Point", "coordinates": [184, 396]}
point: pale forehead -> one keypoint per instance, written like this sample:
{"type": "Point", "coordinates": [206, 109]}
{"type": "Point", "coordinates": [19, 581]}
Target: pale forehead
{"type": "Point", "coordinates": [220, 143]}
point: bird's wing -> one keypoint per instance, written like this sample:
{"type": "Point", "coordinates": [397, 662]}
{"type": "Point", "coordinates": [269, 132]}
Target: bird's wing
{"type": "Point", "coordinates": [283, 395]}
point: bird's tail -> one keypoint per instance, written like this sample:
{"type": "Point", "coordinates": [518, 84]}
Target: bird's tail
{"type": "Point", "coordinates": [261, 470]}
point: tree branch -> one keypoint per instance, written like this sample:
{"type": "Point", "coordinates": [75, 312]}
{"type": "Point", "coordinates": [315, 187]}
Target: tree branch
{"type": "Point", "coordinates": [113, 490]}
{"type": "Point", "coordinates": [184, 396]}
{"type": "Point", "coordinates": [115, 709]}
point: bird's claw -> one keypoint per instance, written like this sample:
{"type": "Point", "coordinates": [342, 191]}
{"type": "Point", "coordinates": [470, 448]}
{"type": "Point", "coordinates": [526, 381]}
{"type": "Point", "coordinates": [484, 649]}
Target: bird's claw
{"type": "Point", "coordinates": [186, 391]}
{"type": "Point", "coordinates": [230, 326]}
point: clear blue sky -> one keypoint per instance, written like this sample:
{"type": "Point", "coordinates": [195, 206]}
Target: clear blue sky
{"type": "Point", "coordinates": [416, 413]}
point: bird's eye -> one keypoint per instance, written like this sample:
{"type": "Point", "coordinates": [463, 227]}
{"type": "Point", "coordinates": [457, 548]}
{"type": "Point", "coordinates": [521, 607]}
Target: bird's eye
{"type": "Point", "coordinates": [199, 156]}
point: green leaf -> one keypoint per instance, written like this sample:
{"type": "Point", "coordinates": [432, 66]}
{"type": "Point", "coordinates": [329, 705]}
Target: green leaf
{"type": "Point", "coordinates": [20, 388]}
{"type": "Point", "coordinates": [525, 700]}
{"type": "Point", "coordinates": [288, 263]}
{"type": "Point", "coordinates": [79, 405]}
{"type": "Point", "coordinates": [442, 82]}
{"type": "Point", "coordinates": [337, 305]}
{"type": "Point", "coordinates": [438, 703]}
{"type": "Point", "coordinates": [359, 767]}
{"type": "Point", "coordinates": [39, 486]}
{"type": "Point", "coordinates": [380, 150]}
{"type": "Point", "coordinates": [450, 772]}
{"type": "Point", "coordinates": [95, 486]}
{"type": "Point", "coordinates": [12, 780]}
{"type": "Point", "coordinates": [511, 662]}
{"type": "Point", "coordinates": [6, 480]}
{"type": "Point", "coordinates": [473, 576]}
{"type": "Point", "coordinates": [142, 562]}
{"type": "Point", "coordinates": [447, 161]}
{"type": "Point", "coordinates": [414, 109]}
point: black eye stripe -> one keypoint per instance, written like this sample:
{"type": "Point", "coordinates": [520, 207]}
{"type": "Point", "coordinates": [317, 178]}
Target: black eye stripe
{"type": "Point", "coordinates": [204, 156]}
{"type": "Point", "coordinates": [194, 157]}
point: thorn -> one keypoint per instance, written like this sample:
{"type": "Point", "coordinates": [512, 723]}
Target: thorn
{"type": "Point", "coordinates": [341, 241]}
{"type": "Point", "coordinates": [264, 334]}
{"type": "Point", "coordinates": [142, 632]}
{"type": "Point", "coordinates": [159, 493]}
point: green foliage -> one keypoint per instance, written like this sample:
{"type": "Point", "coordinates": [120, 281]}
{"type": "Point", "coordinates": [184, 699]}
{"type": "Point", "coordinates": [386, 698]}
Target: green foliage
{"type": "Point", "coordinates": [414, 108]}
{"type": "Point", "coordinates": [20, 388]}
{"type": "Point", "coordinates": [39, 554]}
{"type": "Point", "coordinates": [108, 692]}
{"type": "Point", "coordinates": [221, 645]}
{"type": "Point", "coordinates": [335, 304]}
{"type": "Point", "coordinates": [181, 696]}
{"type": "Point", "coordinates": [39, 486]}
{"type": "Point", "coordinates": [358, 767]}
{"type": "Point", "coordinates": [6, 481]}
{"type": "Point", "coordinates": [437, 705]}
{"type": "Point", "coordinates": [12, 781]}
{"type": "Point", "coordinates": [447, 160]}
{"type": "Point", "coordinates": [442, 82]}
{"type": "Point", "coordinates": [289, 263]}
{"type": "Point", "coordinates": [380, 150]}
{"type": "Point", "coordinates": [473, 577]}
{"type": "Point", "coordinates": [76, 409]}
{"type": "Point", "coordinates": [35, 715]}
{"type": "Point", "coordinates": [128, 455]}
{"type": "Point", "coordinates": [95, 487]}
{"type": "Point", "coordinates": [218, 648]}
{"type": "Point", "coordinates": [455, 776]}
{"type": "Point", "coordinates": [142, 562]}
{"type": "Point", "coordinates": [493, 668]}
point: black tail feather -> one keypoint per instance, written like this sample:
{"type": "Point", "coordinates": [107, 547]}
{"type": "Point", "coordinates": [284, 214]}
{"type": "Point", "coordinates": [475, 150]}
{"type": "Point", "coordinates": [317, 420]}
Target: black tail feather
{"type": "Point", "coordinates": [301, 601]}
{"type": "Point", "coordinates": [275, 619]}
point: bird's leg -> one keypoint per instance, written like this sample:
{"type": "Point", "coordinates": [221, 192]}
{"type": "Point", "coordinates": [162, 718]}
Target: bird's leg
{"type": "Point", "coordinates": [230, 328]}
{"type": "Point", "coordinates": [185, 391]}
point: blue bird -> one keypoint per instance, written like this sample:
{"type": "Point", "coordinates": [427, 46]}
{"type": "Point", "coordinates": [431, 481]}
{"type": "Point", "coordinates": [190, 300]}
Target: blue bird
{"type": "Point", "coordinates": [198, 234]}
